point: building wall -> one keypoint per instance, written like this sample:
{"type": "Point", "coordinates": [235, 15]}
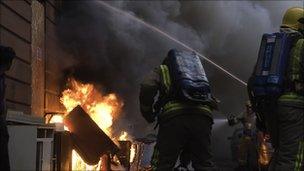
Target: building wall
{"type": "Point", "coordinates": [15, 31]}
{"type": "Point", "coordinates": [35, 79]}
{"type": "Point", "coordinates": [38, 57]}
{"type": "Point", "coordinates": [55, 62]}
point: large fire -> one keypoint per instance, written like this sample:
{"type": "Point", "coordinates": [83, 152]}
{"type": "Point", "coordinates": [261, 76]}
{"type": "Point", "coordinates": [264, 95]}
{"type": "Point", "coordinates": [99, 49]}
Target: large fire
{"type": "Point", "coordinates": [101, 108]}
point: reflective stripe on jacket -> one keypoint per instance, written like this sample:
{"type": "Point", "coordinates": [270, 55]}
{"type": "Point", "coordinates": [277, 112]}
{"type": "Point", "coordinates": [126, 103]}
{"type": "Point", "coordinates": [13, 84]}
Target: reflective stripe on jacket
{"type": "Point", "coordinates": [292, 99]}
{"type": "Point", "coordinates": [174, 107]}
{"type": "Point", "coordinates": [295, 68]}
{"type": "Point", "coordinates": [158, 83]}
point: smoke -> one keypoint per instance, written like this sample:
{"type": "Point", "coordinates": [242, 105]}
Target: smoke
{"type": "Point", "coordinates": [117, 52]}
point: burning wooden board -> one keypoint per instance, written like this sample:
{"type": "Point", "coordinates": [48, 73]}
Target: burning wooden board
{"type": "Point", "coordinates": [88, 139]}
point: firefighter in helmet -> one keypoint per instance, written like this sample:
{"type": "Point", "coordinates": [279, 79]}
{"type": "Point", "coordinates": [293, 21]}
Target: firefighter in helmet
{"type": "Point", "coordinates": [283, 118]}
{"type": "Point", "coordinates": [246, 151]}
{"type": "Point", "coordinates": [183, 124]}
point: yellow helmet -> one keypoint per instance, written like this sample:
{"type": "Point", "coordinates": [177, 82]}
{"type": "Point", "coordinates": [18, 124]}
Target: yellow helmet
{"type": "Point", "coordinates": [294, 18]}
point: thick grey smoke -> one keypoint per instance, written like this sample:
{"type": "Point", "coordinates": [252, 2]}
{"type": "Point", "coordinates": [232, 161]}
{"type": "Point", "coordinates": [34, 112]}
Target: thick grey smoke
{"type": "Point", "coordinates": [116, 52]}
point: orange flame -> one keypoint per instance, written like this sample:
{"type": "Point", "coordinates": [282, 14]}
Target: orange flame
{"type": "Point", "coordinates": [56, 119]}
{"type": "Point", "coordinates": [132, 153]}
{"type": "Point", "coordinates": [101, 108]}
{"type": "Point", "coordinates": [123, 136]}
{"type": "Point", "coordinates": [264, 152]}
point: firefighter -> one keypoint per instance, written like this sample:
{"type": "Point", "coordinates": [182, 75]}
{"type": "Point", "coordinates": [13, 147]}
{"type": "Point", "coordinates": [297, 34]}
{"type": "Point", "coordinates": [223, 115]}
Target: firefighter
{"type": "Point", "coordinates": [6, 57]}
{"type": "Point", "coordinates": [183, 124]}
{"type": "Point", "coordinates": [290, 106]}
{"type": "Point", "coordinates": [247, 149]}
{"type": "Point", "coordinates": [283, 116]}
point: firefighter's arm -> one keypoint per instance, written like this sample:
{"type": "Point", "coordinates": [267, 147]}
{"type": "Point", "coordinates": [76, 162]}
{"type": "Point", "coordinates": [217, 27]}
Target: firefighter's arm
{"type": "Point", "coordinates": [296, 65]}
{"type": "Point", "coordinates": [148, 90]}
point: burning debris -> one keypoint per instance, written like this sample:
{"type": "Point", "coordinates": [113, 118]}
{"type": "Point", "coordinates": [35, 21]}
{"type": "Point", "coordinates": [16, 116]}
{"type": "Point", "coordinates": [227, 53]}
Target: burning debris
{"type": "Point", "coordinates": [101, 108]}
{"type": "Point", "coordinates": [89, 140]}
{"type": "Point", "coordinates": [89, 118]}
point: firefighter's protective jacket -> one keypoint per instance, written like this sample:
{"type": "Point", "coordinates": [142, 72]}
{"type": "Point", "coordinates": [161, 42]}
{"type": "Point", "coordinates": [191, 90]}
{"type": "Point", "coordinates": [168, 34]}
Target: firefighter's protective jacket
{"type": "Point", "coordinates": [157, 84]}
{"type": "Point", "coordinates": [294, 96]}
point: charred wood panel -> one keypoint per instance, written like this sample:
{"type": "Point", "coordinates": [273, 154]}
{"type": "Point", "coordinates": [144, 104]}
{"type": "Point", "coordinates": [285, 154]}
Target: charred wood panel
{"type": "Point", "coordinates": [15, 23]}
{"type": "Point", "coordinates": [22, 48]}
{"type": "Point", "coordinates": [22, 7]}
{"type": "Point", "coordinates": [89, 140]}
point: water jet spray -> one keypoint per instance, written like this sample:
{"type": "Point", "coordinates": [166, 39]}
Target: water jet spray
{"type": "Point", "coordinates": [165, 34]}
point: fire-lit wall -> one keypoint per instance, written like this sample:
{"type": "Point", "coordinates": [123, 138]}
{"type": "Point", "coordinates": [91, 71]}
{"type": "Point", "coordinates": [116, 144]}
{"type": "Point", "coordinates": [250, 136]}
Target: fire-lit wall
{"type": "Point", "coordinates": [56, 59]}
{"type": "Point", "coordinates": [33, 83]}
